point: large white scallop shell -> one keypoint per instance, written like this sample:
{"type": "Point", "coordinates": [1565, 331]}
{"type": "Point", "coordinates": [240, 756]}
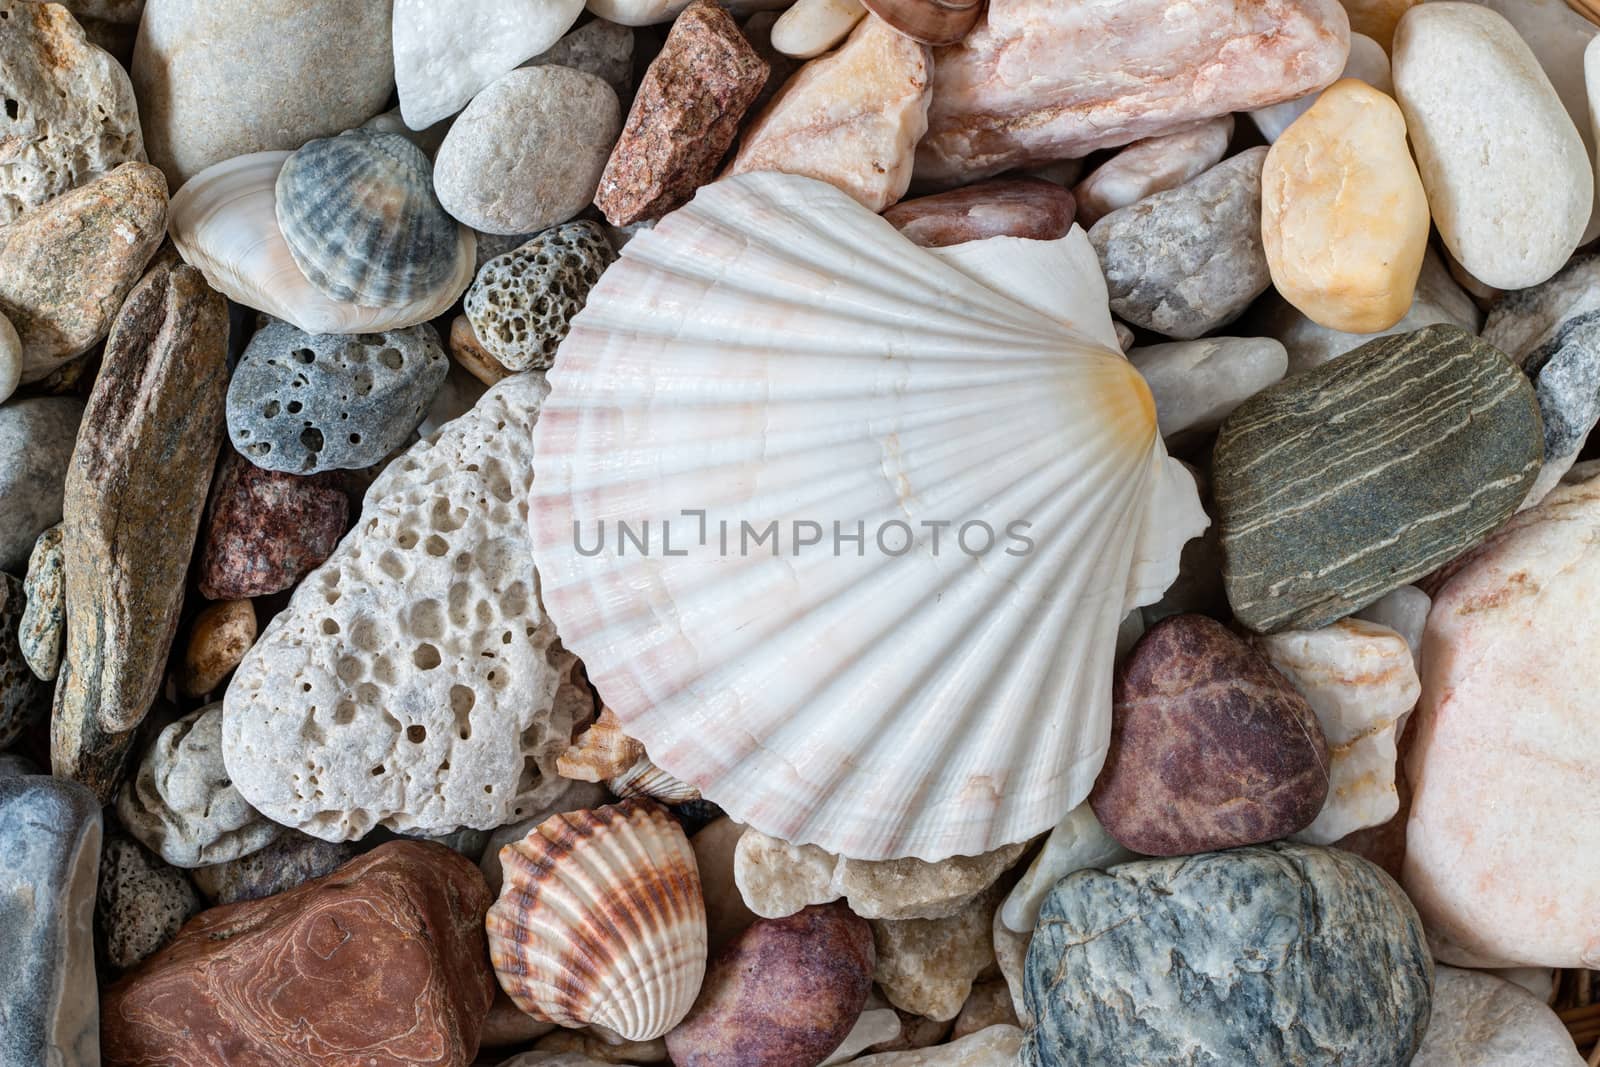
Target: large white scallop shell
{"type": "Point", "coordinates": [773, 351]}
{"type": "Point", "coordinates": [224, 222]}
{"type": "Point", "coordinates": [601, 921]}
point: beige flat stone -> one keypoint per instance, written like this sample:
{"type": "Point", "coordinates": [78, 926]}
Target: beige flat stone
{"type": "Point", "coordinates": [1344, 219]}
{"type": "Point", "coordinates": [851, 118]}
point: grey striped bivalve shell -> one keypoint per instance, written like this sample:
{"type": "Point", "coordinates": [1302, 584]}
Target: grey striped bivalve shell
{"type": "Point", "coordinates": [362, 222]}
{"type": "Point", "coordinates": [601, 921]}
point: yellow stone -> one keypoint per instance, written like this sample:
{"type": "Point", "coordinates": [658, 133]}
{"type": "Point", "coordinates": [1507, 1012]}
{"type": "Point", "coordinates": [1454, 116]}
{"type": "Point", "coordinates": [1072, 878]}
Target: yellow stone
{"type": "Point", "coordinates": [1344, 218]}
{"type": "Point", "coordinates": [1377, 18]}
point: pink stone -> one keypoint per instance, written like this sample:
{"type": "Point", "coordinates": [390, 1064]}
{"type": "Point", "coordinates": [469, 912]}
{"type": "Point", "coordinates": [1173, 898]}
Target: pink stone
{"type": "Point", "coordinates": [1503, 846]}
{"type": "Point", "coordinates": [1041, 80]}
{"type": "Point", "coordinates": [1016, 207]}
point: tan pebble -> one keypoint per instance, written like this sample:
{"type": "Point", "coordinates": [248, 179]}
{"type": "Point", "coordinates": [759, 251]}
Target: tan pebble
{"type": "Point", "coordinates": [988, 1005]}
{"type": "Point", "coordinates": [467, 350]}
{"type": "Point", "coordinates": [222, 633]}
{"type": "Point", "coordinates": [811, 27]}
{"type": "Point", "coordinates": [928, 966]}
{"type": "Point", "coordinates": [851, 118]}
{"type": "Point", "coordinates": [1377, 18]}
{"type": "Point", "coordinates": [1344, 219]}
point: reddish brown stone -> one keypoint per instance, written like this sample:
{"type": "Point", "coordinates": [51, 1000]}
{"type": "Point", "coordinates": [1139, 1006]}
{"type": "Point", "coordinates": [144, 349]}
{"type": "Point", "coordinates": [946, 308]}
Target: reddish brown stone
{"type": "Point", "coordinates": [1211, 747]}
{"type": "Point", "coordinates": [265, 530]}
{"type": "Point", "coordinates": [382, 963]}
{"type": "Point", "coordinates": [785, 993]}
{"type": "Point", "coordinates": [1012, 207]}
{"type": "Point", "coordinates": [684, 117]}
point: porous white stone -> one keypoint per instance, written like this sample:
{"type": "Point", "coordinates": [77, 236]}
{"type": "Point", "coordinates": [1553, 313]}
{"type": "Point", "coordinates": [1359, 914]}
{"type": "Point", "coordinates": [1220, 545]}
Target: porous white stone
{"type": "Point", "coordinates": [1509, 181]}
{"type": "Point", "coordinates": [445, 53]}
{"type": "Point", "coordinates": [1196, 384]}
{"type": "Point", "coordinates": [1078, 841]}
{"type": "Point", "coordinates": [412, 680]}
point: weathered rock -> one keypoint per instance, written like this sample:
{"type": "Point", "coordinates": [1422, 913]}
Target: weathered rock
{"type": "Point", "coordinates": [265, 530]}
{"type": "Point", "coordinates": [684, 118]}
{"type": "Point", "coordinates": [1210, 747]}
{"type": "Point", "coordinates": [928, 966]}
{"type": "Point", "coordinates": [289, 860]}
{"type": "Point", "coordinates": [1480, 1020]}
{"type": "Point", "coordinates": [785, 993]}
{"type": "Point", "coordinates": [70, 114]}
{"type": "Point", "coordinates": [1361, 681]}
{"type": "Point", "coordinates": [23, 699]}
{"type": "Point", "coordinates": [1553, 332]}
{"type": "Point", "coordinates": [1151, 166]}
{"type": "Point", "coordinates": [1438, 299]}
{"type": "Point", "coordinates": [727, 915]}
{"type": "Point", "coordinates": [1259, 956]}
{"type": "Point", "coordinates": [36, 440]}
{"type": "Point", "coordinates": [1451, 442]}
{"type": "Point", "coordinates": [851, 118]}
{"type": "Point", "coordinates": [778, 879]}
{"type": "Point", "coordinates": [1014, 207]}
{"type": "Point", "coordinates": [180, 802]}
{"type": "Point", "coordinates": [1078, 841]}
{"type": "Point", "coordinates": [1344, 220]}
{"type": "Point", "coordinates": [412, 680]}
{"type": "Point", "coordinates": [1501, 858]}
{"type": "Point", "coordinates": [44, 618]}
{"type": "Point", "coordinates": [521, 304]}
{"type": "Point", "coordinates": [66, 267]}
{"type": "Point", "coordinates": [308, 403]}
{"type": "Point", "coordinates": [1510, 182]}
{"type": "Point", "coordinates": [1034, 82]}
{"type": "Point", "coordinates": [1196, 384]}
{"type": "Point", "coordinates": [996, 1046]}
{"type": "Point", "coordinates": [397, 935]}
{"type": "Point", "coordinates": [528, 151]}
{"type": "Point", "coordinates": [141, 902]}
{"type": "Point", "coordinates": [218, 639]}
{"type": "Point", "coordinates": [988, 1005]}
{"type": "Point", "coordinates": [49, 862]}
{"type": "Point", "coordinates": [1188, 260]}
{"type": "Point", "coordinates": [132, 507]}
{"type": "Point", "coordinates": [601, 48]}
{"type": "Point", "coordinates": [1368, 62]}
{"type": "Point", "coordinates": [222, 79]}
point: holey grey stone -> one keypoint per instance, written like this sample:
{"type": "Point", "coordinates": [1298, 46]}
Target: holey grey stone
{"type": "Point", "coordinates": [1270, 956]}
{"type": "Point", "coordinates": [305, 403]}
{"type": "Point", "coordinates": [1369, 471]}
{"type": "Point", "coordinates": [1190, 259]}
{"type": "Point", "coordinates": [522, 303]}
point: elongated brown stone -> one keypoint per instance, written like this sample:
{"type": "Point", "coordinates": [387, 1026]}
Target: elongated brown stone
{"type": "Point", "coordinates": [1369, 471]}
{"type": "Point", "coordinates": [1013, 207]}
{"type": "Point", "coordinates": [134, 496]}
{"type": "Point", "coordinates": [381, 964]}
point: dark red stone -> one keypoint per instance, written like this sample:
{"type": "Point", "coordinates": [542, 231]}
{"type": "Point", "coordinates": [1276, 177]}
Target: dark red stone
{"type": "Point", "coordinates": [382, 963]}
{"type": "Point", "coordinates": [1010, 207]}
{"type": "Point", "coordinates": [784, 993]}
{"type": "Point", "coordinates": [265, 530]}
{"type": "Point", "coordinates": [1211, 747]}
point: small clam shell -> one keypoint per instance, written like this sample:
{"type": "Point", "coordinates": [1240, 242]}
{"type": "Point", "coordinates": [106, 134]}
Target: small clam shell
{"type": "Point", "coordinates": [601, 921]}
{"type": "Point", "coordinates": [935, 22]}
{"type": "Point", "coordinates": [645, 779]}
{"type": "Point", "coordinates": [361, 219]}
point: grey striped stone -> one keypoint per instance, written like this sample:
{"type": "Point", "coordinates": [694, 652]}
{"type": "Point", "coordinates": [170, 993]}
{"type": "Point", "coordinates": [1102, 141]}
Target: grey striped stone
{"type": "Point", "coordinates": [1363, 474]}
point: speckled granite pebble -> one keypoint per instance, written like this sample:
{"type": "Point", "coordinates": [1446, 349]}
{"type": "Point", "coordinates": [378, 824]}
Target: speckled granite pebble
{"type": "Point", "coordinates": [141, 902]}
{"type": "Point", "coordinates": [1277, 956]}
{"type": "Point", "coordinates": [307, 403]}
{"type": "Point", "coordinates": [1186, 261]}
{"type": "Point", "coordinates": [521, 304]}
{"type": "Point", "coordinates": [1314, 530]}
{"type": "Point", "coordinates": [265, 530]}
{"type": "Point", "coordinates": [44, 619]}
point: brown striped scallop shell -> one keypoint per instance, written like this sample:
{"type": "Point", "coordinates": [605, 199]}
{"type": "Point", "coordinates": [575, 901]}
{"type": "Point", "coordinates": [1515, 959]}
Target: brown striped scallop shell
{"type": "Point", "coordinates": [601, 921]}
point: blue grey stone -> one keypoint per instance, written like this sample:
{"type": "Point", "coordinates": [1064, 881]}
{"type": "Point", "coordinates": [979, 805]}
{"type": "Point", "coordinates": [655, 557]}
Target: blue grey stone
{"type": "Point", "coordinates": [49, 858]}
{"type": "Point", "coordinates": [1273, 956]}
{"type": "Point", "coordinates": [36, 441]}
{"type": "Point", "coordinates": [305, 403]}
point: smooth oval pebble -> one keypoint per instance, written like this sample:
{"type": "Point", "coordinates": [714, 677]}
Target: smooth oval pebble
{"type": "Point", "coordinates": [1210, 746]}
{"type": "Point", "coordinates": [784, 993]}
{"type": "Point", "coordinates": [10, 359]}
{"type": "Point", "coordinates": [1013, 207]}
{"type": "Point", "coordinates": [1313, 529]}
{"type": "Point", "coordinates": [218, 639]}
{"type": "Point", "coordinates": [1509, 180]}
{"type": "Point", "coordinates": [1344, 219]}
{"type": "Point", "coordinates": [1152, 165]}
{"type": "Point", "coordinates": [811, 27]}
